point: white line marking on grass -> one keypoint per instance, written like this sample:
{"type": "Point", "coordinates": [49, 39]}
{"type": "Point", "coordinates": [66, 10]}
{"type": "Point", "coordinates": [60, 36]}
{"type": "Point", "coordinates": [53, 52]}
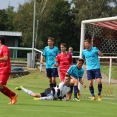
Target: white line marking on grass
{"type": "Point", "coordinates": [110, 102]}
{"type": "Point", "coordinates": [54, 111]}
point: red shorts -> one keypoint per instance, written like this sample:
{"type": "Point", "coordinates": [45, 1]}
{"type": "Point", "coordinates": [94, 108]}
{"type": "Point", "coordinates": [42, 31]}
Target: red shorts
{"type": "Point", "coordinates": [4, 78]}
{"type": "Point", "coordinates": [62, 76]}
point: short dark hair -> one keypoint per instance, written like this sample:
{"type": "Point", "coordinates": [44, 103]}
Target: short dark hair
{"type": "Point", "coordinates": [81, 59]}
{"type": "Point", "coordinates": [3, 39]}
{"type": "Point", "coordinates": [87, 40]}
{"type": "Point", "coordinates": [63, 44]}
{"type": "Point", "coordinates": [67, 75]}
{"type": "Point", "coordinates": [51, 38]}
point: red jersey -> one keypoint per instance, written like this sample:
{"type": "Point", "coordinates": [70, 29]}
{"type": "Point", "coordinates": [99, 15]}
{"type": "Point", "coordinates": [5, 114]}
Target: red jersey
{"type": "Point", "coordinates": [5, 66]}
{"type": "Point", "coordinates": [64, 61]}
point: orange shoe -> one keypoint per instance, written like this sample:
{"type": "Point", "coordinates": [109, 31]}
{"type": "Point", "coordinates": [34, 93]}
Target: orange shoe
{"type": "Point", "coordinates": [14, 99]}
{"type": "Point", "coordinates": [10, 102]}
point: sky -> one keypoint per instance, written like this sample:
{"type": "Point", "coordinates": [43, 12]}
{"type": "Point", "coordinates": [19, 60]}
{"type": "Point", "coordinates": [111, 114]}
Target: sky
{"type": "Point", "coordinates": [4, 3]}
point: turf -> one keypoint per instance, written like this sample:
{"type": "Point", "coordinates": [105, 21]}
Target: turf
{"type": "Point", "coordinates": [37, 82]}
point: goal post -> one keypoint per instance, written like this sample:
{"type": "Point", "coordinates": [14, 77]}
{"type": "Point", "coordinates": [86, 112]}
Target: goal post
{"type": "Point", "coordinates": [103, 35]}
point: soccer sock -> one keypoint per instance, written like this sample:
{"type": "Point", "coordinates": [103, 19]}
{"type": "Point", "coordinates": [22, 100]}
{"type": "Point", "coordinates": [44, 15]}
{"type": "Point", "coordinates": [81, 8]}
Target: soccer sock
{"type": "Point", "coordinates": [99, 89]}
{"type": "Point", "coordinates": [75, 91]}
{"type": "Point", "coordinates": [29, 92]}
{"type": "Point", "coordinates": [54, 84]}
{"type": "Point", "coordinates": [91, 90]}
{"type": "Point", "coordinates": [51, 85]}
{"type": "Point", "coordinates": [7, 92]}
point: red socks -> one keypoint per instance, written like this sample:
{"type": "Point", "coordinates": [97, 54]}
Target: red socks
{"type": "Point", "coordinates": [7, 92]}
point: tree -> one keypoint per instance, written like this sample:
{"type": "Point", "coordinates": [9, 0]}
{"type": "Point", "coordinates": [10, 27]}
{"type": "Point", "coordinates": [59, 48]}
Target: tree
{"type": "Point", "coordinates": [91, 9]}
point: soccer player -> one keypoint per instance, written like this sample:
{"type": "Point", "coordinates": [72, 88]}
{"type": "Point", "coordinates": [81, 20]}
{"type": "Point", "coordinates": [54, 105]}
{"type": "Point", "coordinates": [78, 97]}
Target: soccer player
{"type": "Point", "coordinates": [64, 60]}
{"type": "Point", "coordinates": [5, 70]}
{"type": "Point", "coordinates": [93, 67]}
{"type": "Point", "coordinates": [50, 52]}
{"type": "Point", "coordinates": [76, 72]}
{"type": "Point", "coordinates": [70, 50]}
{"type": "Point", "coordinates": [57, 92]}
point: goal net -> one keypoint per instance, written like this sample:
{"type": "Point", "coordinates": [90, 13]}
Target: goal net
{"type": "Point", "coordinates": [103, 34]}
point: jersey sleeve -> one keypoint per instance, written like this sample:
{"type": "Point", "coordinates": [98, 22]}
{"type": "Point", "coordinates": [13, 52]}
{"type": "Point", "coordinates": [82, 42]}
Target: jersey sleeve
{"type": "Point", "coordinates": [5, 51]}
{"type": "Point", "coordinates": [44, 52]}
{"type": "Point", "coordinates": [96, 49]}
{"type": "Point", "coordinates": [83, 56]}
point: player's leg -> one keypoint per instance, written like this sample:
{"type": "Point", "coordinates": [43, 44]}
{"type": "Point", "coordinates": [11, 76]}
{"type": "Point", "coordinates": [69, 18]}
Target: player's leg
{"type": "Point", "coordinates": [62, 76]}
{"type": "Point", "coordinates": [29, 92]}
{"type": "Point", "coordinates": [91, 76]}
{"type": "Point", "coordinates": [54, 72]}
{"type": "Point", "coordinates": [75, 89]}
{"type": "Point", "coordinates": [48, 94]}
{"type": "Point", "coordinates": [49, 75]}
{"type": "Point", "coordinates": [99, 77]}
{"type": "Point", "coordinates": [6, 91]}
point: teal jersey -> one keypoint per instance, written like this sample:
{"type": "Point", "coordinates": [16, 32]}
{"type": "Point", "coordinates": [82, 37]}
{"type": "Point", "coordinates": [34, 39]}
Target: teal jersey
{"type": "Point", "coordinates": [91, 57]}
{"type": "Point", "coordinates": [75, 72]}
{"type": "Point", "coordinates": [50, 56]}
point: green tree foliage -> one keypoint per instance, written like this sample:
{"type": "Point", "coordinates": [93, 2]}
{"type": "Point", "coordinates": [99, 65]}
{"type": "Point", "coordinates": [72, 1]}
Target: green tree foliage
{"type": "Point", "coordinates": [59, 23]}
{"type": "Point", "coordinates": [6, 19]}
{"type": "Point", "coordinates": [23, 22]}
{"type": "Point", "coordinates": [3, 20]}
{"type": "Point", "coordinates": [55, 18]}
{"type": "Point", "coordinates": [91, 9]}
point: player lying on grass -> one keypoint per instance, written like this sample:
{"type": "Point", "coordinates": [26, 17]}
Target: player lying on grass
{"type": "Point", "coordinates": [57, 92]}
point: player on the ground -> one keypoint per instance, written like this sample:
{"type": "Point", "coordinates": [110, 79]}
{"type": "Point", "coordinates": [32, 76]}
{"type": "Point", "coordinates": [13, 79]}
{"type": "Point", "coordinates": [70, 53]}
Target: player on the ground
{"type": "Point", "coordinates": [54, 93]}
{"type": "Point", "coordinates": [90, 54]}
{"type": "Point", "coordinates": [76, 72]}
{"type": "Point", "coordinates": [50, 52]}
{"type": "Point", "coordinates": [5, 70]}
{"type": "Point", "coordinates": [64, 60]}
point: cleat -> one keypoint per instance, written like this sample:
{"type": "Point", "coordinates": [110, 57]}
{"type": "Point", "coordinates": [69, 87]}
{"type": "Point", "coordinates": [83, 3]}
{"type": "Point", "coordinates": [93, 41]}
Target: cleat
{"type": "Point", "coordinates": [93, 98]}
{"type": "Point", "coordinates": [78, 94]}
{"type": "Point", "coordinates": [18, 88]}
{"type": "Point", "coordinates": [99, 98]}
{"type": "Point", "coordinates": [10, 102]}
{"type": "Point", "coordinates": [36, 98]}
{"type": "Point", "coordinates": [76, 99]}
{"type": "Point", "coordinates": [14, 99]}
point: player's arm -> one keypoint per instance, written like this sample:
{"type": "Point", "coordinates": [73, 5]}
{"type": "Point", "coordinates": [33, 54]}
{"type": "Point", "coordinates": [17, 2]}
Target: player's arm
{"type": "Point", "coordinates": [42, 59]}
{"type": "Point", "coordinates": [81, 81]}
{"type": "Point", "coordinates": [43, 56]}
{"type": "Point", "coordinates": [57, 61]}
{"type": "Point", "coordinates": [100, 53]}
{"type": "Point", "coordinates": [5, 58]}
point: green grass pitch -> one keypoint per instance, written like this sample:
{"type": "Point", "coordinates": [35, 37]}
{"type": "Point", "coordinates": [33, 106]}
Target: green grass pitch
{"type": "Point", "coordinates": [27, 107]}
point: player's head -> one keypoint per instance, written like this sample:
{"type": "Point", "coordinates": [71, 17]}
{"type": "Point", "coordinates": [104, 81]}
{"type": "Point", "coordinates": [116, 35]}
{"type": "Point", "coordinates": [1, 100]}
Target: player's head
{"type": "Point", "coordinates": [2, 40]}
{"type": "Point", "coordinates": [87, 43]}
{"type": "Point", "coordinates": [50, 41]}
{"type": "Point", "coordinates": [70, 49]}
{"type": "Point", "coordinates": [67, 79]}
{"type": "Point", "coordinates": [80, 62]}
{"type": "Point", "coordinates": [63, 47]}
